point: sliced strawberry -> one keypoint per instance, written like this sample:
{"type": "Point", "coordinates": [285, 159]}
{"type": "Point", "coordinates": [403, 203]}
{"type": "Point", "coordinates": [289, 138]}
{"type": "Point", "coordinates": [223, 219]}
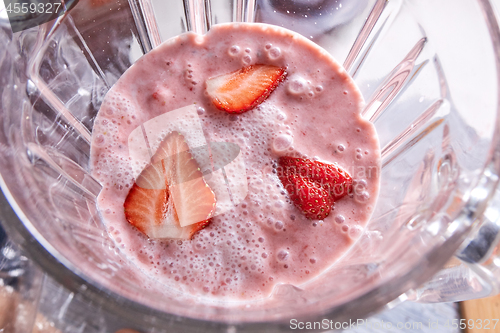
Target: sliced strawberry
{"type": "Point", "coordinates": [170, 198]}
{"type": "Point", "coordinates": [244, 89]}
{"type": "Point", "coordinates": [298, 174]}
{"type": "Point", "coordinates": [146, 206]}
{"type": "Point", "coordinates": [309, 197]}
{"type": "Point", "coordinates": [193, 199]}
{"type": "Point", "coordinates": [336, 181]}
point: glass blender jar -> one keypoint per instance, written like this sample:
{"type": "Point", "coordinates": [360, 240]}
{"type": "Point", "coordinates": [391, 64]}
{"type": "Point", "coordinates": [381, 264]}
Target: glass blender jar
{"type": "Point", "coordinates": [431, 88]}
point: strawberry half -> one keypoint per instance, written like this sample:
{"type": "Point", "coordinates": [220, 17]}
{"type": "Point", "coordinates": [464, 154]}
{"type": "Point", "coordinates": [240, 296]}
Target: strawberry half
{"type": "Point", "coordinates": [170, 198]}
{"type": "Point", "coordinates": [312, 199]}
{"type": "Point", "coordinates": [308, 182]}
{"type": "Point", "coordinates": [244, 89]}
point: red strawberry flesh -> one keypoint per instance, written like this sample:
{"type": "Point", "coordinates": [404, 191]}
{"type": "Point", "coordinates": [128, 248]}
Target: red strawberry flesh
{"type": "Point", "coordinates": [243, 90]}
{"type": "Point", "coordinates": [309, 197]}
{"type": "Point", "coordinates": [313, 186]}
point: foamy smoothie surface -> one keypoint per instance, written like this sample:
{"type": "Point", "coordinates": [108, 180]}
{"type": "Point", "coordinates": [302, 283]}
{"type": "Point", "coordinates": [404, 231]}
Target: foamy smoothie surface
{"type": "Point", "coordinates": [258, 238]}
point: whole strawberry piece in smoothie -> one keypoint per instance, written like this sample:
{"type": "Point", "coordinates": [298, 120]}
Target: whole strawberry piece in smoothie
{"type": "Point", "coordinates": [313, 186]}
{"type": "Point", "coordinates": [244, 89]}
{"type": "Point", "coordinates": [313, 200]}
{"type": "Point", "coordinates": [170, 198]}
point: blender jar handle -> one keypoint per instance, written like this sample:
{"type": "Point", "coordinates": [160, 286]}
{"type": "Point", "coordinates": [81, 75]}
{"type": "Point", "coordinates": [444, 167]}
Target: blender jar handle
{"type": "Point", "coordinates": [474, 271]}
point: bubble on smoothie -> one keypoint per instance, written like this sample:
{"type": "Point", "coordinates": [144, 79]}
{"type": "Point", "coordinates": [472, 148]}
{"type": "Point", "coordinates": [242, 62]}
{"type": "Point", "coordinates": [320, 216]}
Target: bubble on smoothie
{"type": "Point", "coordinates": [268, 46]}
{"type": "Point", "coordinates": [100, 140]}
{"type": "Point", "coordinates": [355, 231]}
{"type": "Point", "coordinates": [361, 183]}
{"type": "Point", "coordinates": [341, 148]}
{"type": "Point", "coordinates": [282, 255]}
{"type": "Point", "coordinates": [339, 219]}
{"type": "Point", "coordinates": [274, 53]}
{"type": "Point", "coordinates": [270, 222]}
{"type": "Point", "coordinates": [233, 117]}
{"type": "Point", "coordinates": [234, 50]}
{"type": "Point", "coordinates": [279, 204]}
{"type": "Point", "coordinates": [345, 228]}
{"type": "Point", "coordinates": [319, 88]}
{"type": "Point", "coordinates": [362, 197]}
{"type": "Point", "coordinates": [278, 225]}
{"type": "Point", "coordinates": [296, 85]}
{"type": "Point", "coordinates": [246, 59]}
{"type": "Point", "coordinates": [282, 142]}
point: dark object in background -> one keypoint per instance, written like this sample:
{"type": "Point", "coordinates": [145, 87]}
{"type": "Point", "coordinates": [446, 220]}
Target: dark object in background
{"type": "Point", "coordinates": [479, 247]}
{"type": "Point", "coordinates": [3, 237]}
{"type": "Point", "coordinates": [309, 17]}
{"type": "Point", "coordinates": [24, 14]}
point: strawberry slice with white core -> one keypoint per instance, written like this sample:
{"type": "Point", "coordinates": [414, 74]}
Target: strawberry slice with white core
{"type": "Point", "coordinates": [146, 202]}
{"type": "Point", "coordinates": [193, 199]}
{"type": "Point", "coordinates": [170, 198]}
{"type": "Point", "coordinates": [243, 90]}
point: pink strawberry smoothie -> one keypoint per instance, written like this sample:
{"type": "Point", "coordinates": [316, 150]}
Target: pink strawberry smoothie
{"type": "Point", "coordinates": [263, 239]}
